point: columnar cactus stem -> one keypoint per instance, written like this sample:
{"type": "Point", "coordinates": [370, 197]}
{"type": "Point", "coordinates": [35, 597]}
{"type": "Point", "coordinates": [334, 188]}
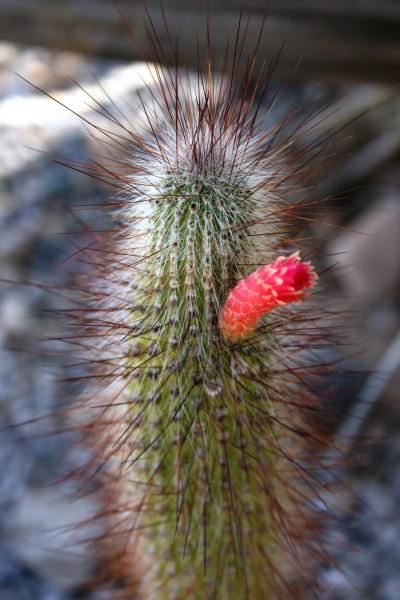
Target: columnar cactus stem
{"type": "Point", "coordinates": [203, 430]}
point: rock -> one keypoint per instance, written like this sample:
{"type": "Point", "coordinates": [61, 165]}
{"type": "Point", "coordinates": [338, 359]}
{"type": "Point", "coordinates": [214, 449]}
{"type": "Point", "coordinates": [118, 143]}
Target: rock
{"type": "Point", "coordinates": [368, 253]}
{"type": "Point", "coordinates": [336, 584]}
{"type": "Point", "coordinates": [391, 589]}
{"type": "Point", "coordinates": [15, 314]}
{"type": "Point", "coordinates": [47, 532]}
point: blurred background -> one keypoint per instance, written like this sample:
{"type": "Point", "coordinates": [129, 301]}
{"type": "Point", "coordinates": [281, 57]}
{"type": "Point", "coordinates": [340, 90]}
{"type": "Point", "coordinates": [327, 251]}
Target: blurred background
{"type": "Point", "coordinates": [349, 53]}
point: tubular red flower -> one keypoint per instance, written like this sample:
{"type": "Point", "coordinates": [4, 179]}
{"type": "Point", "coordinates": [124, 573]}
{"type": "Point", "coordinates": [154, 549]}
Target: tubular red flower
{"type": "Point", "coordinates": [276, 284]}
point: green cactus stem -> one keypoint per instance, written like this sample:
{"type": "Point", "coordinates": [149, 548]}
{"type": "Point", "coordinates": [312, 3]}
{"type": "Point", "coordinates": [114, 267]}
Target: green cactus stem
{"type": "Point", "coordinates": [202, 437]}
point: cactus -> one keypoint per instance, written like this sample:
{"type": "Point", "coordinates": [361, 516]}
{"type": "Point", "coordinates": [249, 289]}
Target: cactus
{"type": "Point", "coordinates": [200, 430]}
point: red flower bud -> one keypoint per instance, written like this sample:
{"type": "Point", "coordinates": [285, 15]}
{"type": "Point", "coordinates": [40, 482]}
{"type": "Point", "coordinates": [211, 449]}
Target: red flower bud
{"type": "Point", "coordinates": [276, 284]}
